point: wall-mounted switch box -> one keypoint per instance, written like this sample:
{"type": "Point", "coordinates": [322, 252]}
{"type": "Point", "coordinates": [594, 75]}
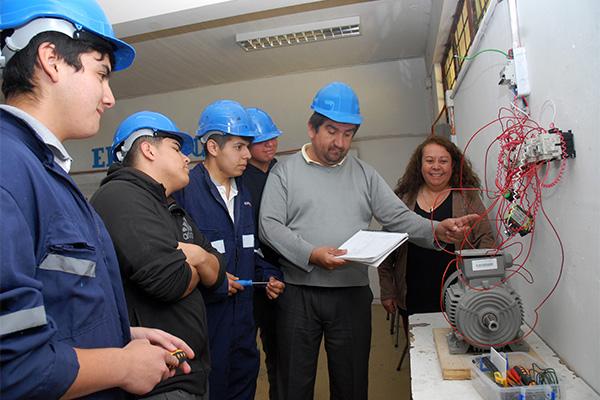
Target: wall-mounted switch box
{"type": "Point", "coordinates": [521, 74]}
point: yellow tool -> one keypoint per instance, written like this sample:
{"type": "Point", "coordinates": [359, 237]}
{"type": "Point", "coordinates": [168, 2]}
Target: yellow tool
{"type": "Point", "coordinates": [499, 379]}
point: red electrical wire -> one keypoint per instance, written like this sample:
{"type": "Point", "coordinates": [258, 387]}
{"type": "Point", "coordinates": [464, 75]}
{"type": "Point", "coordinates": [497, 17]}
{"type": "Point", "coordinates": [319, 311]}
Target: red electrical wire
{"type": "Point", "coordinates": [518, 182]}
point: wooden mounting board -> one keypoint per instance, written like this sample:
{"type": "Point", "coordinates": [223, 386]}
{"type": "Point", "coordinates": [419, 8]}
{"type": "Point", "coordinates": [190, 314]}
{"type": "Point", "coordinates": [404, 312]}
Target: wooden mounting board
{"type": "Point", "coordinates": [456, 366]}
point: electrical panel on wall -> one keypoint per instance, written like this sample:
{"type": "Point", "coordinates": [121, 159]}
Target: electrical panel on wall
{"type": "Point", "coordinates": [480, 305]}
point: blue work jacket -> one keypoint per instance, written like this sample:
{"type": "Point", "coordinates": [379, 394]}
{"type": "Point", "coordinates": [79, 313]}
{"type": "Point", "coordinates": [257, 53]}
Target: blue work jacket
{"type": "Point", "coordinates": [231, 325]}
{"type": "Point", "coordinates": [60, 283]}
{"type": "Point", "coordinates": [237, 240]}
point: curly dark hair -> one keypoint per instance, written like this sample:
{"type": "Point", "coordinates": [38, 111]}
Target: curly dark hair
{"type": "Point", "coordinates": [412, 180]}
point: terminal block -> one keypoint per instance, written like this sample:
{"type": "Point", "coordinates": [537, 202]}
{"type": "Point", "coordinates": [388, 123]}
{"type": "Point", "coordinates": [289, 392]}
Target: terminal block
{"type": "Point", "coordinates": [543, 147]}
{"type": "Point", "coordinates": [517, 220]}
{"type": "Point", "coordinates": [547, 146]}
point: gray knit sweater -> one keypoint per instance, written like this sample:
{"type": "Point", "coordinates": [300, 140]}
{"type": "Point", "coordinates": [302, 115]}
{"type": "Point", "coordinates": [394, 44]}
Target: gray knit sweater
{"type": "Point", "coordinates": [306, 205]}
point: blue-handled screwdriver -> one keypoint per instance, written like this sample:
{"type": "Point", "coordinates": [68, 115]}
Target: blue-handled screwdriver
{"type": "Point", "coordinates": [250, 282]}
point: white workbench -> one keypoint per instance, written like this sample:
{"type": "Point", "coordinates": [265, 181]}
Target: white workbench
{"type": "Point", "coordinates": [426, 374]}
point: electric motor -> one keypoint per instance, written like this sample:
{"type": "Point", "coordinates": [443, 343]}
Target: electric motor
{"type": "Point", "coordinates": [484, 310]}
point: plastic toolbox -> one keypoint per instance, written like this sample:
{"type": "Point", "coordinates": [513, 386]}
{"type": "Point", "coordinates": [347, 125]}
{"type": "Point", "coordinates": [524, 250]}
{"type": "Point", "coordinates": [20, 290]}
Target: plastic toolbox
{"type": "Point", "coordinates": [483, 381]}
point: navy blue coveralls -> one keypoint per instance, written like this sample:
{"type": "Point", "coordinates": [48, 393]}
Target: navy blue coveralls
{"type": "Point", "coordinates": [232, 334]}
{"type": "Point", "coordinates": [265, 310]}
{"type": "Point", "coordinates": [60, 282]}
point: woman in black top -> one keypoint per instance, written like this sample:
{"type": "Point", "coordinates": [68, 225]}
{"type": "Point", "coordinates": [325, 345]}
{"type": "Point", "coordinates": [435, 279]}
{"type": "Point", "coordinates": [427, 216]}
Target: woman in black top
{"type": "Point", "coordinates": [411, 278]}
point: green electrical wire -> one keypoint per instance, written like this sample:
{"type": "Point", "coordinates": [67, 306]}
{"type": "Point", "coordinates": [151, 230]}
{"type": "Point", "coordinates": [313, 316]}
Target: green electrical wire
{"type": "Point", "coordinates": [483, 51]}
{"type": "Point", "coordinates": [544, 376]}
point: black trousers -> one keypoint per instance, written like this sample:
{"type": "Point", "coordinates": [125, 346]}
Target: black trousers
{"type": "Point", "coordinates": [343, 317]}
{"type": "Point", "coordinates": [265, 315]}
{"type": "Point", "coordinates": [177, 395]}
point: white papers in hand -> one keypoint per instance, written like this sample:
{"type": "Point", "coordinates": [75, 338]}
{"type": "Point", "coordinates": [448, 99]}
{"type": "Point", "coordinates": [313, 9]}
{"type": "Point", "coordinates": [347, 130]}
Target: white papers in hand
{"type": "Point", "coordinates": [372, 247]}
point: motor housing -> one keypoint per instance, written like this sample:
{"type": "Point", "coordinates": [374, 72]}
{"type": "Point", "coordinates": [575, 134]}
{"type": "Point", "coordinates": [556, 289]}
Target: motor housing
{"type": "Point", "coordinates": [486, 311]}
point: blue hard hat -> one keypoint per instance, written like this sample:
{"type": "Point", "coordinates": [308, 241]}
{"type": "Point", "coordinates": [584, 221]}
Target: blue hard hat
{"type": "Point", "coordinates": [227, 117]}
{"type": "Point", "coordinates": [338, 102]}
{"type": "Point", "coordinates": [84, 15]}
{"type": "Point", "coordinates": [147, 123]}
{"type": "Point", "coordinates": [265, 127]}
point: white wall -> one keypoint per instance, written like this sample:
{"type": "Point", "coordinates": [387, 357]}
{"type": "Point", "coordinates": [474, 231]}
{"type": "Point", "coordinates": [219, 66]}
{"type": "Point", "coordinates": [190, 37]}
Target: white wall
{"type": "Point", "coordinates": [564, 62]}
{"type": "Point", "coordinates": [393, 98]}
{"type": "Point", "coordinates": [392, 95]}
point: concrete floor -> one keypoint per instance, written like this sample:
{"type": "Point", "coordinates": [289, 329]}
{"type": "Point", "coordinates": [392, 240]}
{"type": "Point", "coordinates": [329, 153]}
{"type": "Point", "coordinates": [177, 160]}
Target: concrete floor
{"type": "Point", "coordinates": [384, 381]}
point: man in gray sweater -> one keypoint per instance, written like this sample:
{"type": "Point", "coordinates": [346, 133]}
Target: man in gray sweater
{"type": "Point", "coordinates": [313, 202]}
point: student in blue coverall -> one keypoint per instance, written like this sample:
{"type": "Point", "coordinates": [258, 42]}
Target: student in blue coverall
{"type": "Point", "coordinates": [222, 209]}
{"type": "Point", "coordinates": [63, 322]}
{"type": "Point", "coordinates": [263, 149]}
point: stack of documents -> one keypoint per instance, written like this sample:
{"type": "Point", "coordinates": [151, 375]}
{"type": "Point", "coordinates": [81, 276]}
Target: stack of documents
{"type": "Point", "coordinates": [372, 247]}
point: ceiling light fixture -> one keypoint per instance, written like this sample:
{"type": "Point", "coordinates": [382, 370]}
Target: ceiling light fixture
{"type": "Point", "coordinates": [299, 34]}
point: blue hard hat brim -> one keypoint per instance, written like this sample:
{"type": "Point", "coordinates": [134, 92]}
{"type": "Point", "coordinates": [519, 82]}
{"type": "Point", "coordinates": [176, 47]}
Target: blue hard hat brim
{"type": "Point", "coordinates": [187, 142]}
{"type": "Point", "coordinates": [124, 53]}
{"type": "Point", "coordinates": [266, 136]}
{"type": "Point", "coordinates": [248, 134]}
{"type": "Point", "coordinates": [340, 117]}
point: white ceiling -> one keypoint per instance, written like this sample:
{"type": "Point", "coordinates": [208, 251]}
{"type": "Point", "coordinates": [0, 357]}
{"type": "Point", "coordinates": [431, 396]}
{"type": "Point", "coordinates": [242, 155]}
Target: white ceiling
{"type": "Point", "coordinates": [205, 53]}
